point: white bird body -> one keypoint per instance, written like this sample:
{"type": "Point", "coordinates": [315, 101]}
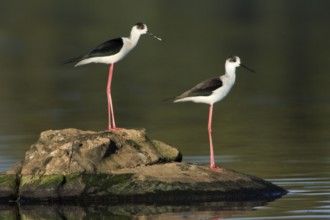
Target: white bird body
{"type": "Point", "coordinates": [214, 89]}
{"type": "Point", "coordinates": [217, 95]}
{"type": "Point", "coordinates": [127, 47]}
{"type": "Point", "coordinates": [114, 50]}
{"type": "Point", "coordinates": [110, 52]}
{"type": "Point", "coordinates": [211, 91]}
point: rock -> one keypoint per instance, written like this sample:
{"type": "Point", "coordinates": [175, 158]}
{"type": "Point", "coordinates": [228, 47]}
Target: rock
{"type": "Point", "coordinates": [75, 151]}
{"type": "Point", "coordinates": [8, 187]}
{"type": "Point", "coordinates": [159, 182]}
{"type": "Point", "coordinates": [71, 165]}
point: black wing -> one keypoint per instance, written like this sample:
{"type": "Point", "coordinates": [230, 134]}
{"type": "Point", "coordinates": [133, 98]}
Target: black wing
{"type": "Point", "coordinates": [204, 88]}
{"type": "Point", "coordinates": [107, 48]}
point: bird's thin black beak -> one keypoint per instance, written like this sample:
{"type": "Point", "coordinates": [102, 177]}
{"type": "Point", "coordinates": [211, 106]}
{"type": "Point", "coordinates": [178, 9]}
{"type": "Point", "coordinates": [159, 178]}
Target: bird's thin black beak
{"type": "Point", "coordinates": [247, 68]}
{"type": "Point", "coordinates": [151, 34]}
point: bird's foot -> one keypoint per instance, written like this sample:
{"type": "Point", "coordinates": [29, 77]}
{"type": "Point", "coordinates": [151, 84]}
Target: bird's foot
{"type": "Point", "coordinates": [115, 129]}
{"type": "Point", "coordinates": [216, 168]}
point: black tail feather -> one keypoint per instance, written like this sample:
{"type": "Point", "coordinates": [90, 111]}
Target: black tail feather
{"type": "Point", "coordinates": [169, 99]}
{"type": "Point", "coordinates": [73, 60]}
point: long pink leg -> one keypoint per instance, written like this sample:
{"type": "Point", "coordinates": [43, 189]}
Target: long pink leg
{"type": "Point", "coordinates": [111, 116]}
{"type": "Point", "coordinates": [209, 127]}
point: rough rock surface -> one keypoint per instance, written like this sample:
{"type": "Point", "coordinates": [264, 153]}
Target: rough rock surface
{"type": "Point", "coordinates": [75, 151]}
{"type": "Point", "coordinates": [86, 166]}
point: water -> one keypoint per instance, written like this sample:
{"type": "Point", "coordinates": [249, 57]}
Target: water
{"type": "Point", "coordinates": [274, 124]}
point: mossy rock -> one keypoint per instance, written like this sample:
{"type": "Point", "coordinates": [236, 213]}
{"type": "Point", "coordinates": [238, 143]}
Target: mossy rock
{"type": "Point", "coordinates": [78, 187]}
{"type": "Point", "coordinates": [95, 186]}
{"type": "Point", "coordinates": [41, 187]}
{"type": "Point", "coordinates": [8, 187]}
{"type": "Point", "coordinates": [168, 182]}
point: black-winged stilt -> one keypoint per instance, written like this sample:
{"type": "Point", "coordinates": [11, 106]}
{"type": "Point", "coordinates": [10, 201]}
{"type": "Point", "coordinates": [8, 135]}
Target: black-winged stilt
{"type": "Point", "coordinates": [111, 52]}
{"type": "Point", "coordinates": [211, 91]}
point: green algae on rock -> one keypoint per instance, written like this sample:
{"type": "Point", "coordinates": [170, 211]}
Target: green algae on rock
{"type": "Point", "coordinates": [8, 187]}
{"type": "Point", "coordinates": [198, 184]}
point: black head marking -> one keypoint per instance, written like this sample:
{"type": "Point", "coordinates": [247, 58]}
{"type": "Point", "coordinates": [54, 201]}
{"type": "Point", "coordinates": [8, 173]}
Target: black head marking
{"type": "Point", "coordinates": [140, 26]}
{"type": "Point", "coordinates": [233, 59]}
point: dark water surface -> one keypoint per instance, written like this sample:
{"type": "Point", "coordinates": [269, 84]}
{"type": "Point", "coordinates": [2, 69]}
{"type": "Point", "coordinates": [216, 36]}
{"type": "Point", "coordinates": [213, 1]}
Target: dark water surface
{"type": "Point", "coordinates": [274, 124]}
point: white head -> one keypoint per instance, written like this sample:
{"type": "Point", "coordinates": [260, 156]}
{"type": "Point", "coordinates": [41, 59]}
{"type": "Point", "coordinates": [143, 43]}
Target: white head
{"type": "Point", "coordinates": [233, 62]}
{"type": "Point", "coordinates": [139, 28]}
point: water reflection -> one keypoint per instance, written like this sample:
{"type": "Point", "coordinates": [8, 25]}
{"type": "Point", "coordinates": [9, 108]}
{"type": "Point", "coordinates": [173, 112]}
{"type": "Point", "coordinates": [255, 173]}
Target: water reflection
{"type": "Point", "coordinates": [129, 211]}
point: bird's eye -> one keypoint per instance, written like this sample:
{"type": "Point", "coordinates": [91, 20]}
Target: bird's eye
{"type": "Point", "coordinates": [233, 59]}
{"type": "Point", "coordinates": [140, 26]}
